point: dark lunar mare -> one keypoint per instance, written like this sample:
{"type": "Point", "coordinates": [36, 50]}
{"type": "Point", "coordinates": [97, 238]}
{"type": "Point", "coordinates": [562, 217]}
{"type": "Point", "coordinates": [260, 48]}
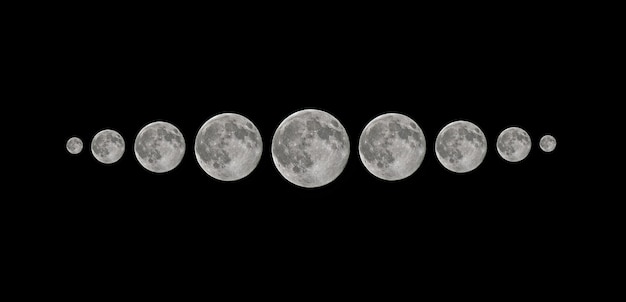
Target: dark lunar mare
{"type": "Point", "coordinates": [447, 145]}
{"type": "Point", "coordinates": [292, 132]}
{"type": "Point", "coordinates": [471, 136]}
{"type": "Point", "coordinates": [505, 143]}
{"type": "Point", "coordinates": [99, 146]}
{"type": "Point", "coordinates": [217, 156]}
{"type": "Point", "coordinates": [301, 132]}
{"type": "Point", "coordinates": [325, 132]}
{"type": "Point", "coordinates": [169, 136]}
{"type": "Point", "coordinates": [222, 132]}
{"type": "Point", "coordinates": [525, 139]}
{"type": "Point", "coordinates": [145, 145]}
{"type": "Point", "coordinates": [373, 153]}
{"type": "Point", "coordinates": [114, 139]}
{"type": "Point", "coordinates": [379, 153]}
{"type": "Point", "coordinates": [103, 140]}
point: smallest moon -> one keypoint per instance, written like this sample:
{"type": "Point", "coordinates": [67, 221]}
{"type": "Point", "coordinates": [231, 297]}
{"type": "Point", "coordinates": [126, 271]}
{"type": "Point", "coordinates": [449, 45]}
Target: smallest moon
{"type": "Point", "coordinates": [547, 143]}
{"type": "Point", "coordinates": [74, 145]}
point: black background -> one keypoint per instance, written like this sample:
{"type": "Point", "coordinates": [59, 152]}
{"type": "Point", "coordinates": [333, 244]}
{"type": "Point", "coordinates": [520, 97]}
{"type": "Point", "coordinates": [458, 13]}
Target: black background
{"type": "Point", "coordinates": [493, 70]}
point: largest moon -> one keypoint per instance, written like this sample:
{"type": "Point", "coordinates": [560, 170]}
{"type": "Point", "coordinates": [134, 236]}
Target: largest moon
{"type": "Point", "coordinates": [310, 148]}
{"type": "Point", "coordinates": [159, 147]}
{"type": "Point", "coordinates": [461, 146]}
{"type": "Point", "coordinates": [228, 147]}
{"type": "Point", "coordinates": [392, 146]}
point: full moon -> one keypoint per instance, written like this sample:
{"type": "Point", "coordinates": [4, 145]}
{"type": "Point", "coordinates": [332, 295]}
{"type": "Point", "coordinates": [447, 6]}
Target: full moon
{"type": "Point", "coordinates": [392, 146]}
{"type": "Point", "coordinates": [228, 147]}
{"type": "Point", "coordinates": [547, 143]}
{"type": "Point", "coordinates": [310, 148]}
{"type": "Point", "coordinates": [461, 146]}
{"type": "Point", "coordinates": [74, 145]}
{"type": "Point", "coordinates": [513, 144]}
{"type": "Point", "coordinates": [107, 146]}
{"type": "Point", "coordinates": [159, 147]}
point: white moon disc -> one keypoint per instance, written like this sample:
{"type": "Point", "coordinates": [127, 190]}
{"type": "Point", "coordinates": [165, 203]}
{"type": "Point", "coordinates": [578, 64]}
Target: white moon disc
{"type": "Point", "coordinates": [392, 146]}
{"type": "Point", "coordinates": [513, 144]}
{"type": "Point", "coordinates": [461, 146]}
{"type": "Point", "coordinates": [547, 143]}
{"type": "Point", "coordinates": [228, 147]}
{"type": "Point", "coordinates": [159, 147]}
{"type": "Point", "coordinates": [74, 145]}
{"type": "Point", "coordinates": [310, 148]}
{"type": "Point", "coordinates": [108, 146]}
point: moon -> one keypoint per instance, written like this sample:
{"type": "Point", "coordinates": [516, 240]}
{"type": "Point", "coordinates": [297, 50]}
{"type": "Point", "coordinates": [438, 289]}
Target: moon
{"type": "Point", "coordinates": [159, 147]}
{"type": "Point", "coordinates": [547, 143]}
{"type": "Point", "coordinates": [461, 146]}
{"type": "Point", "coordinates": [392, 146]}
{"type": "Point", "coordinates": [74, 145]}
{"type": "Point", "coordinates": [228, 147]}
{"type": "Point", "coordinates": [513, 144]}
{"type": "Point", "coordinates": [310, 148]}
{"type": "Point", "coordinates": [108, 146]}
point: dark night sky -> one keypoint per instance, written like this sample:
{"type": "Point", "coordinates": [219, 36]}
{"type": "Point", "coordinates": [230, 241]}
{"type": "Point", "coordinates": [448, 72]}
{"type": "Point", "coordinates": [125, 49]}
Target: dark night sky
{"type": "Point", "coordinates": [493, 74]}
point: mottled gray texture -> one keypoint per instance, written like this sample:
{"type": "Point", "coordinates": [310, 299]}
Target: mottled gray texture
{"type": "Point", "coordinates": [447, 145]}
{"type": "Point", "coordinates": [392, 146]}
{"type": "Point", "coordinates": [547, 143]}
{"type": "Point", "coordinates": [513, 144]}
{"type": "Point", "coordinates": [108, 146]}
{"type": "Point", "coordinates": [298, 136]}
{"type": "Point", "coordinates": [461, 146]}
{"type": "Point", "coordinates": [310, 148]}
{"type": "Point", "coordinates": [228, 147]}
{"type": "Point", "coordinates": [74, 145]}
{"type": "Point", "coordinates": [159, 147]}
{"type": "Point", "coordinates": [374, 144]}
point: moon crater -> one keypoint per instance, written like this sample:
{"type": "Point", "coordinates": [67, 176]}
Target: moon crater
{"type": "Point", "coordinates": [461, 146]}
{"type": "Point", "coordinates": [547, 143]}
{"type": "Point", "coordinates": [108, 146]}
{"type": "Point", "coordinates": [74, 145]}
{"type": "Point", "coordinates": [310, 148]}
{"type": "Point", "coordinates": [513, 144]}
{"type": "Point", "coordinates": [228, 147]}
{"type": "Point", "coordinates": [392, 146]}
{"type": "Point", "coordinates": [159, 147]}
